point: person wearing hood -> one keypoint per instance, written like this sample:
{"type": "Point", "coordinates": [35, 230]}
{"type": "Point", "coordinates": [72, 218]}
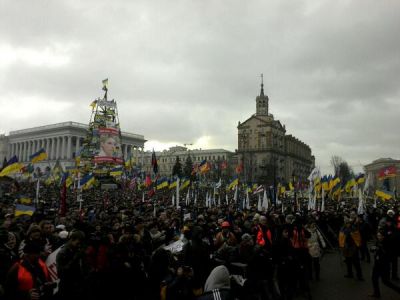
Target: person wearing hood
{"type": "Point", "coordinates": [218, 285]}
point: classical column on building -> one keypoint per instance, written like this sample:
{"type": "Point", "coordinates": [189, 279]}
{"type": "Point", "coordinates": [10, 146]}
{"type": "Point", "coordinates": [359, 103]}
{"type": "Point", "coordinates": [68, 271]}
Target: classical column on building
{"type": "Point", "coordinates": [57, 139]}
{"type": "Point", "coordinates": [77, 145]}
{"type": "Point", "coordinates": [22, 158]}
{"type": "Point", "coordinates": [20, 151]}
{"type": "Point", "coordinates": [51, 145]}
{"type": "Point", "coordinates": [125, 151]}
{"type": "Point", "coordinates": [60, 145]}
{"type": "Point", "coordinates": [46, 145]}
{"type": "Point", "coordinates": [136, 155]}
{"type": "Point", "coordinates": [54, 148]}
{"type": "Point", "coordinates": [62, 152]}
{"type": "Point", "coordinates": [69, 147]}
{"type": "Point", "coordinates": [27, 150]}
{"type": "Point", "coordinates": [142, 154]}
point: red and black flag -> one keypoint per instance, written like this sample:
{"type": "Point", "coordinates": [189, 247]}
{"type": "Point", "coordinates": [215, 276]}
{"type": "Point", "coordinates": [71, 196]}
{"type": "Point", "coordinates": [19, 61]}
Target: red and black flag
{"type": "Point", "coordinates": [154, 162]}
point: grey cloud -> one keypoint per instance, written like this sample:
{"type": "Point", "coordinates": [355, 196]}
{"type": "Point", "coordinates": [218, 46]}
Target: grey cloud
{"type": "Point", "coordinates": [180, 70]}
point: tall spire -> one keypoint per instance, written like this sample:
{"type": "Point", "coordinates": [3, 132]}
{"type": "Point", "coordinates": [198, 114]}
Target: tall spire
{"type": "Point", "coordinates": [262, 85]}
{"type": "Point", "coordinates": [262, 101]}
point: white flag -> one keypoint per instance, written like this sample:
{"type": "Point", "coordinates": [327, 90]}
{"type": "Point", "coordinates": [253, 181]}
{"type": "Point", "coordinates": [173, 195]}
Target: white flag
{"type": "Point", "coordinates": [265, 203]}
{"type": "Point", "coordinates": [235, 196]}
{"type": "Point", "coordinates": [218, 184]}
{"type": "Point", "coordinates": [187, 198]}
{"type": "Point", "coordinates": [361, 204]}
{"type": "Point", "coordinates": [177, 193]}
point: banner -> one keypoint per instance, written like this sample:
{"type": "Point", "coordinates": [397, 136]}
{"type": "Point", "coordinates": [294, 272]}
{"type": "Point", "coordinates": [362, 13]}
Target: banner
{"type": "Point", "coordinates": [52, 267]}
{"type": "Point", "coordinates": [109, 150]}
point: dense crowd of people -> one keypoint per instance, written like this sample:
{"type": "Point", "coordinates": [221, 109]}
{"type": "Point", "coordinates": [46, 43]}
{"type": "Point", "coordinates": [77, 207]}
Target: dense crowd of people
{"type": "Point", "coordinates": [117, 245]}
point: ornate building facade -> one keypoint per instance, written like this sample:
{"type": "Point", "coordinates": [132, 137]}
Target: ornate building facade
{"type": "Point", "coordinates": [166, 159]}
{"type": "Point", "coordinates": [267, 153]}
{"type": "Point", "coordinates": [372, 170]}
{"type": "Point", "coordinates": [61, 142]}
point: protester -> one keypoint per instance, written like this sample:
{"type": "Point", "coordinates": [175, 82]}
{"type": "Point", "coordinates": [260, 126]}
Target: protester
{"type": "Point", "coordinates": [29, 278]}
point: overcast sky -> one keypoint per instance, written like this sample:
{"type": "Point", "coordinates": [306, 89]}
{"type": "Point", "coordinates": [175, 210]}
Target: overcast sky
{"type": "Point", "coordinates": [187, 71]}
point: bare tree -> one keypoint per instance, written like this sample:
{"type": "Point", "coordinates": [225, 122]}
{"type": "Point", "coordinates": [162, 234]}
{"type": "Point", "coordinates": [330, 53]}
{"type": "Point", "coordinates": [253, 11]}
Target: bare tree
{"type": "Point", "coordinates": [335, 162]}
{"type": "Point", "coordinates": [341, 168]}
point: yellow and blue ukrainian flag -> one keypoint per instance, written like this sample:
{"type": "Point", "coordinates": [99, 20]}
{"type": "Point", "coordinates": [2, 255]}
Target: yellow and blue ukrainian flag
{"type": "Point", "coordinates": [38, 156]}
{"type": "Point", "coordinates": [385, 195]}
{"type": "Point", "coordinates": [87, 181]}
{"type": "Point", "coordinates": [185, 184]}
{"type": "Point", "coordinates": [233, 183]}
{"type": "Point", "coordinates": [23, 210]}
{"type": "Point", "coordinates": [162, 183]}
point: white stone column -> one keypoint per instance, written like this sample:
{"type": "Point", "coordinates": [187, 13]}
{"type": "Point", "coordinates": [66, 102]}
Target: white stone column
{"type": "Point", "coordinates": [77, 145]}
{"type": "Point", "coordinates": [59, 146]}
{"type": "Point", "coordinates": [19, 151]}
{"type": "Point", "coordinates": [46, 146]}
{"type": "Point", "coordinates": [125, 151]}
{"type": "Point", "coordinates": [136, 155]}
{"type": "Point", "coordinates": [55, 153]}
{"type": "Point", "coordinates": [52, 151]}
{"type": "Point", "coordinates": [26, 150]}
{"type": "Point", "coordinates": [22, 151]}
{"type": "Point", "coordinates": [142, 154]}
{"type": "Point", "coordinates": [69, 147]}
{"type": "Point", "coordinates": [29, 149]}
{"type": "Point", "coordinates": [22, 158]}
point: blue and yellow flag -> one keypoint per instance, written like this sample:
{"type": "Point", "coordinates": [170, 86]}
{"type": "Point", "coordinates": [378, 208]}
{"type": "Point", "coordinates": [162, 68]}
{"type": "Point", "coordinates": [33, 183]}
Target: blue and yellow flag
{"type": "Point", "coordinates": [67, 179]}
{"type": "Point", "coordinates": [360, 178]}
{"type": "Point", "coordinates": [162, 183]}
{"type": "Point", "coordinates": [25, 200]}
{"type": "Point", "coordinates": [334, 182]}
{"type": "Point", "coordinates": [38, 156]}
{"type": "Point", "coordinates": [185, 184]}
{"type": "Point", "coordinates": [23, 210]}
{"type": "Point", "coordinates": [173, 183]}
{"type": "Point", "coordinates": [11, 169]}
{"type": "Point", "coordinates": [385, 195]}
{"type": "Point", "coordinates": [349, 185]}
{"type": "Point", "coordinates": [87, 181]}
{"type": "Point", "coordinates": [116, 171]}
{"type": "Point", "coordinates": [233, 183]}
{"type": "Point", "coordinates": [325, 183]}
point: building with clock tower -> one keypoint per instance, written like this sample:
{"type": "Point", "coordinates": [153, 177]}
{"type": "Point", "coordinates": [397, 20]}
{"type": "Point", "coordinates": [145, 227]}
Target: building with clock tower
{"type": "Point", "coordinates": [268, 154]}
